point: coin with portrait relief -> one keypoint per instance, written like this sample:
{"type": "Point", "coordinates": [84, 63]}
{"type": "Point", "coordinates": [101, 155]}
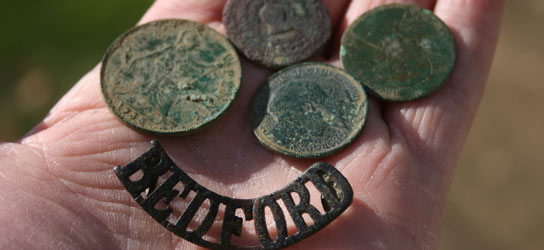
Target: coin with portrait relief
{"type": "Point", "coordinates": [277, 33]}
{"type": "Point", "coordinates": [309, 110]}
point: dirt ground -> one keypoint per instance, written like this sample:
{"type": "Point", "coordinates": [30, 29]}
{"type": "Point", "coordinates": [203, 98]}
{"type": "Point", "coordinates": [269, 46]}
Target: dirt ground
{"type": "Point", "coordinates": [496, 201]}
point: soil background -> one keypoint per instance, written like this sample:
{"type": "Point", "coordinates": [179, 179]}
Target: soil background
{"type": "Point", "coordinates": [497, 199]}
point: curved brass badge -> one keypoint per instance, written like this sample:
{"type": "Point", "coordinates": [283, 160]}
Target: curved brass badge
{"type": "Point", "coordinates": [151, 189]}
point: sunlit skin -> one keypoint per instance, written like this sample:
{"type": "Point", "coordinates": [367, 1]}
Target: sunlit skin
{"type": "Point", "coordinates": [59, 190]}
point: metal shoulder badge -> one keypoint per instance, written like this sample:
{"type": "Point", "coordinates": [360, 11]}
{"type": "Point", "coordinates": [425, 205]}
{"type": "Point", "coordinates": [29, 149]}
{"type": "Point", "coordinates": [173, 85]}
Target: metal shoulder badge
{"type": "Point", "coordinates": [150, 189]}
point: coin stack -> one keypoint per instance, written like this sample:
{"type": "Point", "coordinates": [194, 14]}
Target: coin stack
{"type": "Point", "coordinates": [173, 77]}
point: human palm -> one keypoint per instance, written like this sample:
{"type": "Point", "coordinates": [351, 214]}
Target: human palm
{"type": "Point", "coordinates": [59, 189]}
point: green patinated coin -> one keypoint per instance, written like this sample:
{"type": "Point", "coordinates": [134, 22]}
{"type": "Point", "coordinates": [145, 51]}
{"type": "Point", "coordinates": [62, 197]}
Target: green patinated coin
{"type": "Point", "coordinates": [398, 52]}
{"type": "Point", "coordinates": [170, 76]}
{"type": "Point", "coordinates": [277, 33]}
{"type": "Point", "coordinates": [309, 110]}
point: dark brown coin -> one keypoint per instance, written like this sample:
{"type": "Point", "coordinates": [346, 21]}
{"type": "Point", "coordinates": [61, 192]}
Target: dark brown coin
{"type": "Point", "coordinates": [277, 33]}
{"type": "Point", "coordinates": [170, 76]}
{"type": "Point", "coordinates": [398, 52]}
{"type": "Point", "coordinates": [309, 110]}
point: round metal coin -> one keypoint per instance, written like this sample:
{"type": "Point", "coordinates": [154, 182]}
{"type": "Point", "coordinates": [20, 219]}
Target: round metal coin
{"type": "Point", "coordinates": [398, 52]}
{"type": "Point", "coordinates": [170, 76]}
{"type": "Point", "coordinates": [309, 110]}
{"type": "Point", "coordinates": [277, 33]}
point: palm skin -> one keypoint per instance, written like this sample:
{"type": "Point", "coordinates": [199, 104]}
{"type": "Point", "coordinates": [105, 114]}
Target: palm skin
{"type": "Point", "coordinates": [59, 190]}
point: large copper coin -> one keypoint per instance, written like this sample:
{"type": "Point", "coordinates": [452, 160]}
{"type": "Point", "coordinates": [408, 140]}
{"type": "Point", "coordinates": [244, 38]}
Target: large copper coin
{"type": "Point", "coordinates": [398, 52]}
{"type": "Point", "coordinates": [309, 110]}
{"type": "Point", "coordinates": [170, 76]}
{"type": "Point", "coordinates": [277, 33]}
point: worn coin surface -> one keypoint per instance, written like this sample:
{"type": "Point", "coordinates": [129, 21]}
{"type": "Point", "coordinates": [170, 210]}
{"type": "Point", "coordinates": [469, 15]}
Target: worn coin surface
{"type": "Point", "coordinates": [309, 110]}
{"type": "Point", "coordinates": [398, 52]}
{"type": "Point", "coordinates": [170, 76]}
{"type": "Point", "coordinates": [277, 33]}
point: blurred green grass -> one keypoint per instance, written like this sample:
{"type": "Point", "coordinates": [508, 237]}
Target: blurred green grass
{"type": "Point", "coordinates": [46, 46]}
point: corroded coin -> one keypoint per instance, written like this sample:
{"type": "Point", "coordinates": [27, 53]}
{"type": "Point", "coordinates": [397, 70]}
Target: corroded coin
{"type": "Point", "coordinates": [170, 76]}
{"type": "Point", "coordinates": [399, 52]}
{"type": "Point", "coordinates": [309, 110]}
{"type": "Point", "coordinates": [277, 33]}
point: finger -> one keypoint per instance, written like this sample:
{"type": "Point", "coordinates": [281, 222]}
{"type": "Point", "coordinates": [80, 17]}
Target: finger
{"type": "Point", "coordinates": [356, 9]}
{"type": "Point", "coordinates": [433, 129]}
{"type": "Point", "coordinates": [437, 126]}
{"type": "Point", "coordinates": [202, 11]}
{"type": "Point", "coordinates": [337, 10]}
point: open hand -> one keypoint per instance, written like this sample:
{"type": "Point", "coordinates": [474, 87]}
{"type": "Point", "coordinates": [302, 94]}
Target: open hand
{"type": "Point", "coordinates": [59, 190]}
